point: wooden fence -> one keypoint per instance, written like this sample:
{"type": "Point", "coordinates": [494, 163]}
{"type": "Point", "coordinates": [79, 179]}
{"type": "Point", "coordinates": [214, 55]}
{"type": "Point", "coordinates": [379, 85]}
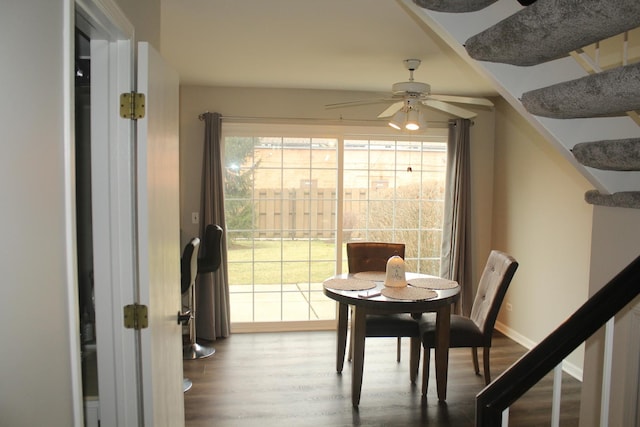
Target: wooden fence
{"type": "Point", "coordinates": [311, 213]}
{"type": "Point", "coordinates": [301, 212]}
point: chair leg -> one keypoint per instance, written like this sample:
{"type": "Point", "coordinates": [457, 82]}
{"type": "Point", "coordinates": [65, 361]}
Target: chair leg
{"type": "Point", "coordinates": [485, 361]}
{"type": "Point", "coordinates": [426, 364]}
{"type": "Point", "coordinates": [193, 350]}
{"type": "Point", "coordinates": [341, 335]}
{"type": "Point", "coordinates": [474, 357]}
{"type": "Point", "coordinates": [399, 345]}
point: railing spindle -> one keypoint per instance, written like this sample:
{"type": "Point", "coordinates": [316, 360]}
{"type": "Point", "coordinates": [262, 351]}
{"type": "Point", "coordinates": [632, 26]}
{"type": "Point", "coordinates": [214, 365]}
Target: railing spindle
{"type": "Point", "coordinates": [557, 395]}
{"type": "Point", "coordinates": [606, 372]}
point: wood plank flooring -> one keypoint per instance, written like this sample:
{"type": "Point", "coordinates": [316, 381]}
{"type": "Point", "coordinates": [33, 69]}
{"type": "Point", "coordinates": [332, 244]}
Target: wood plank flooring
{"type": "Point", "coordinates": [289, 379]}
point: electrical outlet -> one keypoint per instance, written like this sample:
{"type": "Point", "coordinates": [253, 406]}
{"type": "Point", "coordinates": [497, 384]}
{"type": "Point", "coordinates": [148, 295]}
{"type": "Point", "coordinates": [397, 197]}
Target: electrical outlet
{"type": "Point", "coordinates": [195, 217]}
{"type": "Point", "coordinates": [509, 306]}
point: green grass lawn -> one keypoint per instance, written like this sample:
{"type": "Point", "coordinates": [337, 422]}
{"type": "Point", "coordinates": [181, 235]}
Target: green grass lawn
{"type": "Point", "coordinates": [281, 261]}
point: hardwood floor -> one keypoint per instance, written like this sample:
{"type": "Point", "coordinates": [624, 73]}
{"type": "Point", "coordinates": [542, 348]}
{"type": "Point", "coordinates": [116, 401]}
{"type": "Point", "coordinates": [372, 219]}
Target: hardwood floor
{"type": "Point", "coordinates": [289, 379]}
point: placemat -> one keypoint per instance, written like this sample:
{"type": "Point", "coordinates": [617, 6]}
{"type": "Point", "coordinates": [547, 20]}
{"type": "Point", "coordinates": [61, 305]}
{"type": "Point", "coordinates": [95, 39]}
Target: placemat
{"type": "Point", "coordinates": [433, 283]}
{"type": "Point", "coordinates": [348, 284]}
{"type": "Point", "coordinates": [409, 293]}
{"type": "Point", "coordinates": [371, 275]}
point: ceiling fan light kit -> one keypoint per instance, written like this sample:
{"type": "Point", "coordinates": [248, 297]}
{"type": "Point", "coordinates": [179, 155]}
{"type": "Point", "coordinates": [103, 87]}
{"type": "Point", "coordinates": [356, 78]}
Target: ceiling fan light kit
{"type": "Point", "coordinates": [413, 119]}
{"type": "Point", "coordinates": [412, 122]}
{"type": "Point", "coordinates": [409, 100]}
{"type": "Point", "coordinates": [398, 120]}
{"type": "Point", "coordinates": [409, 117]}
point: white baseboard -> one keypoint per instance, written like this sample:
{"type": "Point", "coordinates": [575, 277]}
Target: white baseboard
{"type": "Point", "coordinates": [568, 367]}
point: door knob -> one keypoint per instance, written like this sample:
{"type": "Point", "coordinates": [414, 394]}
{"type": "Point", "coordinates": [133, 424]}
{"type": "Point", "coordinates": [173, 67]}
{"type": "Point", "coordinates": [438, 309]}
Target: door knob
{"type": "Point", "coordinates": [183, 318]}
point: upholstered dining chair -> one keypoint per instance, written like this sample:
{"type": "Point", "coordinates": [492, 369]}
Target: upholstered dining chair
{"type": "Point", "coordinates": [210, 257]}
{"type": "Point", "coordinates": [373, 256]}
{"type": "Point", "coordinates": [477, 330]}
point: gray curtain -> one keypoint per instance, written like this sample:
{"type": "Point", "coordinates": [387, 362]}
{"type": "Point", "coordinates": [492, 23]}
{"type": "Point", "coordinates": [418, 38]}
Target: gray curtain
{"type": "Point", "coordinates": [456, 234]}
{"type": "Point", "coordinates": [212, 289]}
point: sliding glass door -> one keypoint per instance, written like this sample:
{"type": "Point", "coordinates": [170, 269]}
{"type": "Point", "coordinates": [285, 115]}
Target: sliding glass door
{"type": "Point", "coordinates": [295, 194]}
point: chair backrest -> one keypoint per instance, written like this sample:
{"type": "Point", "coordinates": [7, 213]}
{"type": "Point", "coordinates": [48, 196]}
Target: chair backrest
{"type": "Point", "coordinates": [211, 253]}
{"type": "Point", "coordinates": [189, 264]}
{"type": "Point", "coordinates": [371, 256]}
{"type": "Point", "coordinates": [492, 288]}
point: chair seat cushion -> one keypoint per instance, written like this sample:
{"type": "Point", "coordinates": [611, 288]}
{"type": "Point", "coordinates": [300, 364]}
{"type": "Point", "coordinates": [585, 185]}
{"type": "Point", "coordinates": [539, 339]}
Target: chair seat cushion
{"type": "Point", "coordinates": [391, 325]}
{"type": "Point", "coordinates": [464, 332]}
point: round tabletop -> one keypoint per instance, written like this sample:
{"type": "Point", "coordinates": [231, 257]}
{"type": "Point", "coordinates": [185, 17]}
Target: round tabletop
{"type": "Point", "coordinates": [373, 299]}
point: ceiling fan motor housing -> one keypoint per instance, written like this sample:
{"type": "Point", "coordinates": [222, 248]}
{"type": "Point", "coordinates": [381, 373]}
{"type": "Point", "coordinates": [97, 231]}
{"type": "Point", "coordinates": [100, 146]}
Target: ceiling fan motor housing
{"type": "Point", "coordinates": [412, 64]}
{"type": "Point", "coordinates": [411, 87]}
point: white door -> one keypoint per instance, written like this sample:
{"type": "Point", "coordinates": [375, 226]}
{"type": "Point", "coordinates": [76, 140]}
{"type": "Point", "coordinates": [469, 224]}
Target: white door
{"type": "Point", "coordinates": [135, 225]}
{"type": "Point", "coordinates": [158, 225]}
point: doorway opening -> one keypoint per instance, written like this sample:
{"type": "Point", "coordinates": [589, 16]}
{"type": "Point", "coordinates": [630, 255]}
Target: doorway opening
{"type": "Point", "coordinates": [84, 226]}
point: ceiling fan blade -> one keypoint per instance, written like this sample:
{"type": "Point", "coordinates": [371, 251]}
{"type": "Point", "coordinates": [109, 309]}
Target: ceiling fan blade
{"type": "Point", "coordinates": [462, 100]}
{"type": "Point", "coordinates": [357, 103]}
{"type": "Point", "coordinates": [391, 109]}
{"type": "Point", "coordinates": [448, 108]}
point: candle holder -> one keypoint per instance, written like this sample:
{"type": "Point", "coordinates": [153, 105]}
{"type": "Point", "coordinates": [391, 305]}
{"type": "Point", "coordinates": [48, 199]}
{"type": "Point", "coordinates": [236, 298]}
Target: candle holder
{"type": "Point", "coordinates": [395, 273]}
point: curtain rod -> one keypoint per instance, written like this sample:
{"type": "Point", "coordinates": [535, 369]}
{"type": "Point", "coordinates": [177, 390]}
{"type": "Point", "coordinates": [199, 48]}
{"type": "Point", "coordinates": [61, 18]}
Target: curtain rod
{"type": "Point", "coordinates": [303, 120]}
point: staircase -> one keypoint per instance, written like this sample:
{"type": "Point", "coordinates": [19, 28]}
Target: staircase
{"type": "Point", "coordinates": [543, 57]}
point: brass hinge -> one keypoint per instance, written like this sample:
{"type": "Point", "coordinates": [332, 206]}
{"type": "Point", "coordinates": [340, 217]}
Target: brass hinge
{"type": "Point", "coordinates": [132, 105]}
{"type": "Point", "coordinates": [136, 316]}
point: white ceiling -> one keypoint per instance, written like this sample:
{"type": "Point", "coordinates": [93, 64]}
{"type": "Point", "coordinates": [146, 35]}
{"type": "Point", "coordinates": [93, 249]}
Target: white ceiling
{"type": "Point", "coordinates": [308, 44]}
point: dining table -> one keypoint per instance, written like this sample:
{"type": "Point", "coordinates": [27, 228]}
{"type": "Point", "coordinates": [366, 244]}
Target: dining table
{"type": "Point", "coordinates": [366, 293]}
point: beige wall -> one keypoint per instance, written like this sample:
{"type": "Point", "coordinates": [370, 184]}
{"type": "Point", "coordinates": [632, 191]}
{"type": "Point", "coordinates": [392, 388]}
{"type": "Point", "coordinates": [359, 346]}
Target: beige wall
{"type": "Point", "coordinates": [616, 242]}
{"type": "Point", "coordinates": [539, 217]}
{"type": "Point", "coordinates": [309, 104]}
{"type": "Point", "coordinates": [482, 191]}
{"type": "Point", "coordinates": [36, 378]}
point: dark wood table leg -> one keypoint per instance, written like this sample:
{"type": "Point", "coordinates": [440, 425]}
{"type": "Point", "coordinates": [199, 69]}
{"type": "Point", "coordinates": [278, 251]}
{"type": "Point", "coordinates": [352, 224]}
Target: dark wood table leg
{"type": "Point", "coordinates": [443, 321]}
{"type": "Point", "coordinates": [414, 358]}
{"type": "Point", "coordinates": [358, 333]}
{"type": "Point", "coordinates": [343, 315]}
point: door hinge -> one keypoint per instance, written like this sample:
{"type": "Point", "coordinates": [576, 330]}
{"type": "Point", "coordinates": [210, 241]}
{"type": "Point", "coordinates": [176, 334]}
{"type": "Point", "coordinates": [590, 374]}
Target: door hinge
{"type": "Point", "coordinates": [132, 105]}
{"type": "Point", "coordinates": [136, 316]}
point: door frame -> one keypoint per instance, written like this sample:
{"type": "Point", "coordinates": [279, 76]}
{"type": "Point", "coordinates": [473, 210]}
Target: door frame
{"type": "Point", "coordinates": [115, 274]}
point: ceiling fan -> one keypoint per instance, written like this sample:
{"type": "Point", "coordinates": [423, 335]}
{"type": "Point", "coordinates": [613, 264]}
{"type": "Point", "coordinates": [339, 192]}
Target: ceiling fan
{"type": "Point", "coordinates": [409, 97]}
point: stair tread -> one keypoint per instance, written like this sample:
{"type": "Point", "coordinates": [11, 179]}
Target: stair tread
{"type": "Point", "coordinates": [454, 6]}
{"type": "Point", "coordinates": [617, 155]}
{"type": "Point", "coordinates": [611, 92]}
{"type": "Point", "coordinates": [623, 199]}
{"type": "Point", "coordinates": [548, 30]}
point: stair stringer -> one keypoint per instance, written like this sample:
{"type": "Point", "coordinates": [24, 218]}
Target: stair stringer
{"type": "Point", "coordinates": [512, 81]}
